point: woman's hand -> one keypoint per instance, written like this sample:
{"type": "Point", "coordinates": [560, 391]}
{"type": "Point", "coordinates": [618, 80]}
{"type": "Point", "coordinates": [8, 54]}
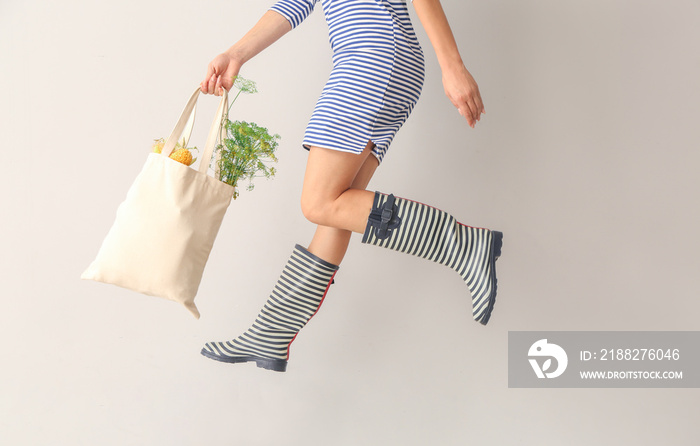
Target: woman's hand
{"type": "Point", "coordinates": [459, 84]}
{"type": "Point", "coordinates": [221, 73]}
{"type": "Point", "coordinates": [463, 92]}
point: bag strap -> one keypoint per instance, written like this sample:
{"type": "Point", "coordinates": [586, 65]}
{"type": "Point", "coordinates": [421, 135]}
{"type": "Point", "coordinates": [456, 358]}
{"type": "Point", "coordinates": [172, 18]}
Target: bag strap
{"type": "Point", "coordinates": [184, 128]}
{"type": "Point", "coordinates": [215, 133]}
{"type": "Point", "coordinates": [185, 116]}
{"type": "Point", "coordinates": [188, 129]}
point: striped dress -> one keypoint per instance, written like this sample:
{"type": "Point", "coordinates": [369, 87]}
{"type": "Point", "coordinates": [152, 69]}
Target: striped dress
{"type": "Point", "coordinates": [377, 76]}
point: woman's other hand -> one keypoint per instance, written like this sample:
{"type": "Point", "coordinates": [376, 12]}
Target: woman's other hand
{"type": "Point", "coordinates": [463, 92]}
{"type": "Point", "coordinates": [459, 84]}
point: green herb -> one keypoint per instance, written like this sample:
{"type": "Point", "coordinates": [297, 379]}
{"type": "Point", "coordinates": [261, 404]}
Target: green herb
{"type": "Point", "coordinates": [246, 148]}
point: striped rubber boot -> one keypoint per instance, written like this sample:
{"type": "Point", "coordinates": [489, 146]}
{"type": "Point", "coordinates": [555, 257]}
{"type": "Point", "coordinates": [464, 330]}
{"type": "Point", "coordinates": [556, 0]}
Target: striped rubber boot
{"type": "Point", "coordinates": [297, 296]}
{"type": "Point", "coordinates": [429, 233]}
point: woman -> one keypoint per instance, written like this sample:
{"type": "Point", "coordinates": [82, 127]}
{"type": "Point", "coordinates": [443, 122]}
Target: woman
{"type": "Point", "coordinates": [377, 77]}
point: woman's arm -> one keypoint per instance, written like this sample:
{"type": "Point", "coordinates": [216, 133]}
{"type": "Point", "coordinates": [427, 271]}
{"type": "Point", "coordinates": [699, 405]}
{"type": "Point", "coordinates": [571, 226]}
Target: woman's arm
{"type": "Point", "coordinates": [225, 67]}
{"type": "Point", "coordinates": [278, 21]}
{"type": "Point", "coordinates": [460, 86]}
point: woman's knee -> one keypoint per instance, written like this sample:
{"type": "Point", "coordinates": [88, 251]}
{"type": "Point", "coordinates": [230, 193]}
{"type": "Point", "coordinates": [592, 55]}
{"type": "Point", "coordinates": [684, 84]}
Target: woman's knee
{"type": "Point", "coordinates": [315, 207]}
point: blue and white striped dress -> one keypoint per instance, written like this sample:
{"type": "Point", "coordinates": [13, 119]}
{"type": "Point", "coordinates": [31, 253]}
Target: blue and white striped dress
{"type": "Point", "coordinates": [377, 76]}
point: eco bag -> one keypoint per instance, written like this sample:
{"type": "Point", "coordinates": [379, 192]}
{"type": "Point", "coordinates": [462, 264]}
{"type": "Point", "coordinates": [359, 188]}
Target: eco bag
{"type": "Point", "coordinates": [165, 228]}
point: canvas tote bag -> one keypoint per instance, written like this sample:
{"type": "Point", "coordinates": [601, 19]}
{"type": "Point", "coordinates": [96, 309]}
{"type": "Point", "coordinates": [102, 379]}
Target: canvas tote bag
{"type": "Point", "coordinates": [166, 227]}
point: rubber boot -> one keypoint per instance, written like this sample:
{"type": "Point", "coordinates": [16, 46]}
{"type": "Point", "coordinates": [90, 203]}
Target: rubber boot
{"type": "Point", "coordinates": [297, 296]}
{"type": "Point", "coordinates": [424, 231]}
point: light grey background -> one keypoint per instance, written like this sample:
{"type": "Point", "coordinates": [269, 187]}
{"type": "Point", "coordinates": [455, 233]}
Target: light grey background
{"type": "Point", "coordinates": [586, 159]}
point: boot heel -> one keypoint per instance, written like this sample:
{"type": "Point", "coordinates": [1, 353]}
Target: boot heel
{"type": "Point", "coordinates": [276, 365]}
{"type": "Point", "coordinates": [497, 244]}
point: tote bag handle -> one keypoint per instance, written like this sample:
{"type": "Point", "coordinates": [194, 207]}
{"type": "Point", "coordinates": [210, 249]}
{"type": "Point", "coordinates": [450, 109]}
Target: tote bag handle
{"type": "Point", "coordinates": [185, 123]}
{"type": "Point", "coordinates": [188, 129]}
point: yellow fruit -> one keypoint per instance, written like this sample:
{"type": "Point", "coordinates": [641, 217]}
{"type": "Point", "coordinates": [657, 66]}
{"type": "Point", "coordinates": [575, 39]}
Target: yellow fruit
{"type": "Point", "coordinates": [182, 156]}
{"type": "Point", "coordinates": [158, 146]}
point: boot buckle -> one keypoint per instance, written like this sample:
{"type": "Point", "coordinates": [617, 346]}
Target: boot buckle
{"type": "Point", "coordinates": [385, 218]}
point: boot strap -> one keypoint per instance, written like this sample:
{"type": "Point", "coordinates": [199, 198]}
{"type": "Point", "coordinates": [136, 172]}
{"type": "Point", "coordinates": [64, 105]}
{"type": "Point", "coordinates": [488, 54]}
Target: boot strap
{"type": "Point", "coordinates": [385, 218]}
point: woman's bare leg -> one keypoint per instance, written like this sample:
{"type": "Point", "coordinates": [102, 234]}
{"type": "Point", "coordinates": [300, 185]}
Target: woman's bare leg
{"type": "Point", "coordinates": [335, 198]}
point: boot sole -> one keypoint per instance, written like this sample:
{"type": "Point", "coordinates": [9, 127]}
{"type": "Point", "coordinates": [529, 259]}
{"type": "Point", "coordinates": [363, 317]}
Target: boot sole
{"type": "Point", "coordinates": [277, 365]}
{"type": "Point", "coordinates": [496, 245]}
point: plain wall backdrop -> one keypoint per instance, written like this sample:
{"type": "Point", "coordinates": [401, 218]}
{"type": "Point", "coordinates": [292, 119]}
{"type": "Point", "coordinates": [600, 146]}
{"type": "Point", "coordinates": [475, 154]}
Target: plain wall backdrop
{"type": "Point", "coordinates": [587, 159]}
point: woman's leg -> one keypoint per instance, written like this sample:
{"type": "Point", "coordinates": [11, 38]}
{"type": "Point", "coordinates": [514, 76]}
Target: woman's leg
{"type": "Point", "coordinates": [399, 224]}
{"type": "Point", "coordinates": [328, 197]}
{"type": "Point", "coordinates": [331, 243]}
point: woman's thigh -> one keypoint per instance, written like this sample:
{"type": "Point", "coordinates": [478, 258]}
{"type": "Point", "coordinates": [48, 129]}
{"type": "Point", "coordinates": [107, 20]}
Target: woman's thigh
{"type": "Point", "coordinates": [334, 187]}
{"type": "Point", "coordinates": [329, 173]}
